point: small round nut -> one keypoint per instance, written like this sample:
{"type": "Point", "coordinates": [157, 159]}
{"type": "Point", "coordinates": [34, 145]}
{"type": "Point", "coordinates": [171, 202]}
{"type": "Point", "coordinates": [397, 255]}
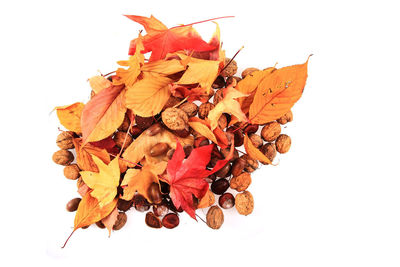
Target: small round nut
{"type": "Point", "coordinates": [63, 157]}
{"type": "Point", "coordinates": [288, 117]}
{"type": "Point", "coordinates": [271, 131]}
{"type": "Point", "coordinates": [204, 109]}
{"type": "Point", "coordinates": [171, 102]}
{"type": "Point", "coordinates": [231, 79]}
{"type": "Point", "coordinates": [283, 143]}
{"type": "Point", "coordinates": [229, 70]}
{"type": "Point", "coordinates": [238, 166]}
{"type": "Point", "coordinates": [222, 121]}
{"type": "Point", "coordinates": [241, 182]}
{"type": "Point", "coordinates": [256, 140]}
{"type": "Point", "coordinates": [175, 118]}
{"type": "Point", "coordinates": [218, 83]}
{"type": "Point", "coordinates": [215, 217]}
{"type": "Point", "coordinates": [73, 204]}
{"type": "Point", "coordinates": [248, 71]}
{"type": "Point", "coordinates": [121, 221]}
{"type": "Point", "coordinates": [244, 203]}
{"type": "Point", "coordinates": [144, 122]}
{"type": "Point", "coordinates": [64, 140]}
{"type": "Point", "coordinates": [251, 164]}
{"type": "Point", "coordinates": [189, 108]}
{"type": "Point", "coordinates": [218, 96]}
{"type": "Point", "coordinates": [269, 151]}
{"type": "Point", "coordinates": [119, 139]}
{"type": "Point", "coordinates": [71, 172]}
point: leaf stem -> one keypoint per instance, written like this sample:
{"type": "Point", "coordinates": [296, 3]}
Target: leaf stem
{"type": "Point", "coordinates": [200, 218]}
{"type": "Point", "coordinates": [66, 241]}
{"type": "Point", "coordinates": [198, 22]}
{"type": "Point", "coordinates": [231, 59]}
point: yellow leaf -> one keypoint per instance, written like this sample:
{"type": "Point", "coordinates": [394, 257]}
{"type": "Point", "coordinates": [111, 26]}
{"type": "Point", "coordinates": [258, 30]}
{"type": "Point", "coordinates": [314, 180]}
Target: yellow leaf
{"type": "Point", "coordinates": [129, 76]}
{"type": "Point", "coordinates": [148, 96]}
{"type": "Point", "coordinates": [105, 182]}
{"type": "Point", "coordinates": [84, 155]}
{"type": "Point", "coordinates": [203, 72]}
{"type": "Point", "coordinates": [89, 211]}
{"type": "Point", "coordinates": [277, 93]}
{"type": "Point", "coordinates": [207, 200]}
{"type": "Point", "coordinates": [164, 67]}
{"type": "Point", "coordinates": [253, 152]}
{"type": "Point", "coordinates": [203, 130]}
{"type": "Point", "coordinates": [98, 83]}
{"type": "Point", "coordinates": [110, 220]}
{"type": "Point", "coordinates": [136, 180]}
{"type": "Point", "coordinates": [70, 116]}
{"type": "Point", "coordinates": [227, 105]}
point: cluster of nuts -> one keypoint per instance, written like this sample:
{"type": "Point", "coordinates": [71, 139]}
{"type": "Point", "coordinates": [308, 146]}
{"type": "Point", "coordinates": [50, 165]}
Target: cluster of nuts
{"type": "Point", "coordinates": [235, 175]}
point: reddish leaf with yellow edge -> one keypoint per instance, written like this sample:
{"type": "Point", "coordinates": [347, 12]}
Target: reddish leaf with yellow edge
{"type": "Point", "coordinates": [253, 152]}
{"type": "Point", "coordinates": [84, 155]}
{"type": "Point", "coordinates": [110, 220]}
{"type": "Point", "coordinates": [139, 180]}
{"type": "Point", "coordinates": [70, 116]}
{"type": "Point", "coordinates": [186, 177]}
{"type": "Point", "coordinates": [105, 182]}
{"type": "Point", "coordinates": [227, 105]}
{"type": "Point", "coordinates": [277, 93]}
{"type": "Point", "coordinates": [103, 114]}
{"type": "Point", "coordinates": [160, 40]}
{"type": "Point", "coordinates": [89, 212]}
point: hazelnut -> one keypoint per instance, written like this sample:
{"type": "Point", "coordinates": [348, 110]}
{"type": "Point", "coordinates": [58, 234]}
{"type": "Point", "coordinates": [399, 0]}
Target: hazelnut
{"type": "Point", "coordinates": [231, 79]}
{"type": "Point", "coordinates": [256, 140]}
{"type": "Point", "coordinates": [119, 139]}
{"type": "Point", "coordinates": [271, 131]}
{"type": "Point", "coordinates": [241, 182]}
{"type": "Point", "coordinates": [124, 205]}
{"type": "Point", "coordinates": [73, 204]}
{"type": "Point", "coordinates": [189, 108]}
{"type": "Point", "coordinates": [71, 172]}
{"type": "Point", "coordinates": [251, 164]}
{"type": "Point", "coordinates": [251, 128]}
{"type": "Point", "coordinates": [225, 153]}
{"type": "Point", "coordinates": [154, 129]}
{"type": "Point", "coordinates": [204, 109]}
{"type": "Point", "coordinates": [175, 119]}
{"type": "Point", "coordinates": [224, 171]}
{"type": "Point", "coordinates": [172, 102]}
{"type": "Point", "coordinates": [219, 95]}
{"type": "Point", "coordinates": [222, 122]}
{"type": "Point", "coordinates": [121, 221]}
{"type": "Point", "coordinates": [269, 151]}
{"type": "Point", "coordinates": [238, 166]}
{"type": "Point", "coordinates": [237, 134]}
{"type": "Point", "coordinates": [152, 220]}
{"type": "Point", "coordinates": [283, 143]}
{"type": "Point", "coordinates": [219, 82]}
{"type": "Point", "coordinates": [144, 122]}
{"type": "Point", "coordinates": [64, 140]}
{"type": "Point", "coordinates": [63, 157]}
{"type": "Point", "coordinates": [124, 127]}
{"type": "Point", "coordinates": [170, 221]}
{"type": "Point", "coordinates": [244, 203]}
{"type": "Point", "coordinates": [215, 217]}
{"type": "Point", "coordinates": [248, 71]}
{"type": "Point", "coordinates": [229, 70]}
{"type": "Point", "coordinates": [288, 117]}
{"type": "Point", "coordinates": [159, 149]}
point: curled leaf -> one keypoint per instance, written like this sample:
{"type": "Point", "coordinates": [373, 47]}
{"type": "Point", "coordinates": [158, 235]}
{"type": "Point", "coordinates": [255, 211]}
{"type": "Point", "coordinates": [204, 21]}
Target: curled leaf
{"type": "Point", "coordinates": [253, 152]}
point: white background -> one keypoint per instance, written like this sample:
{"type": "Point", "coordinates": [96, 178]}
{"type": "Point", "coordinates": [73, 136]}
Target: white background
{"type": "Point", "coordinates": [333, 200]}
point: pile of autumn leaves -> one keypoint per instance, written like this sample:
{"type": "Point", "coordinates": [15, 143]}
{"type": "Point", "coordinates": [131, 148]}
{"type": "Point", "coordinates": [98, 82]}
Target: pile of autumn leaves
{"type": "Point", "coordinates": [184, 66]}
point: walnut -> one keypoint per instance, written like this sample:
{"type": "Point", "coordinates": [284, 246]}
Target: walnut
{"type": "Point", "coordinates": [204, 109]}
{"type": "Point", "coordinates": [248, 71]}
{"type": "Point", "coordinates": [219, 82]}
{"type": "Point", "coordinates": [241, 182]}
{"type": "Point", "coordinates": [269, 151]}
{"type": "Point", "coordinates": [288, 117]}
{"type": "Point", "coordinates": [64, 140]}
{"type": "Point", "coordinates": [283, 143]}
{"type": "Point", "coordinates": [271, 131]}
{"type": "Point", "coordinates": [175, 118]}
{"type": "Point", "coordinates": [189, 108]}
{"type": "Point", "coordinates": [229, 70]}
{"type": "Point", "coordinates": [256, 140]}
{"type": "Point", "coordinates": [207, 200]}
{"type": "Point", "coordinates": [218, 96]}
{"type": "Point", "coordinates": [244, 203]}
{"type": "Point", "coordinates": [119, 139]}
{"type": "Point", "coordinates": [71, 171]}
{"type": "Point", "coordinates": [230, 79]}
{"type": "Point", "coordinates": [171, 102]}
{"type": "Point", "coordinates": [222, 121]}
{"type": "Point", "coordinates": [124, 127]}
{"type": "Point", "coordinates": [215, 217]}
{"type": "Point", "coordinates": [63, 157]}
{"type": "Point", "coordinates": [251, 165]}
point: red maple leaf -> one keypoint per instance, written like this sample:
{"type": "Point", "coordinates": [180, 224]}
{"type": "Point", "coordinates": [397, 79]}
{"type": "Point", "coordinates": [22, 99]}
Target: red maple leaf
{"type": "Point", "coordinates": [160, 40]}
{"type": "Point", "coordinates": [186, 177]}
